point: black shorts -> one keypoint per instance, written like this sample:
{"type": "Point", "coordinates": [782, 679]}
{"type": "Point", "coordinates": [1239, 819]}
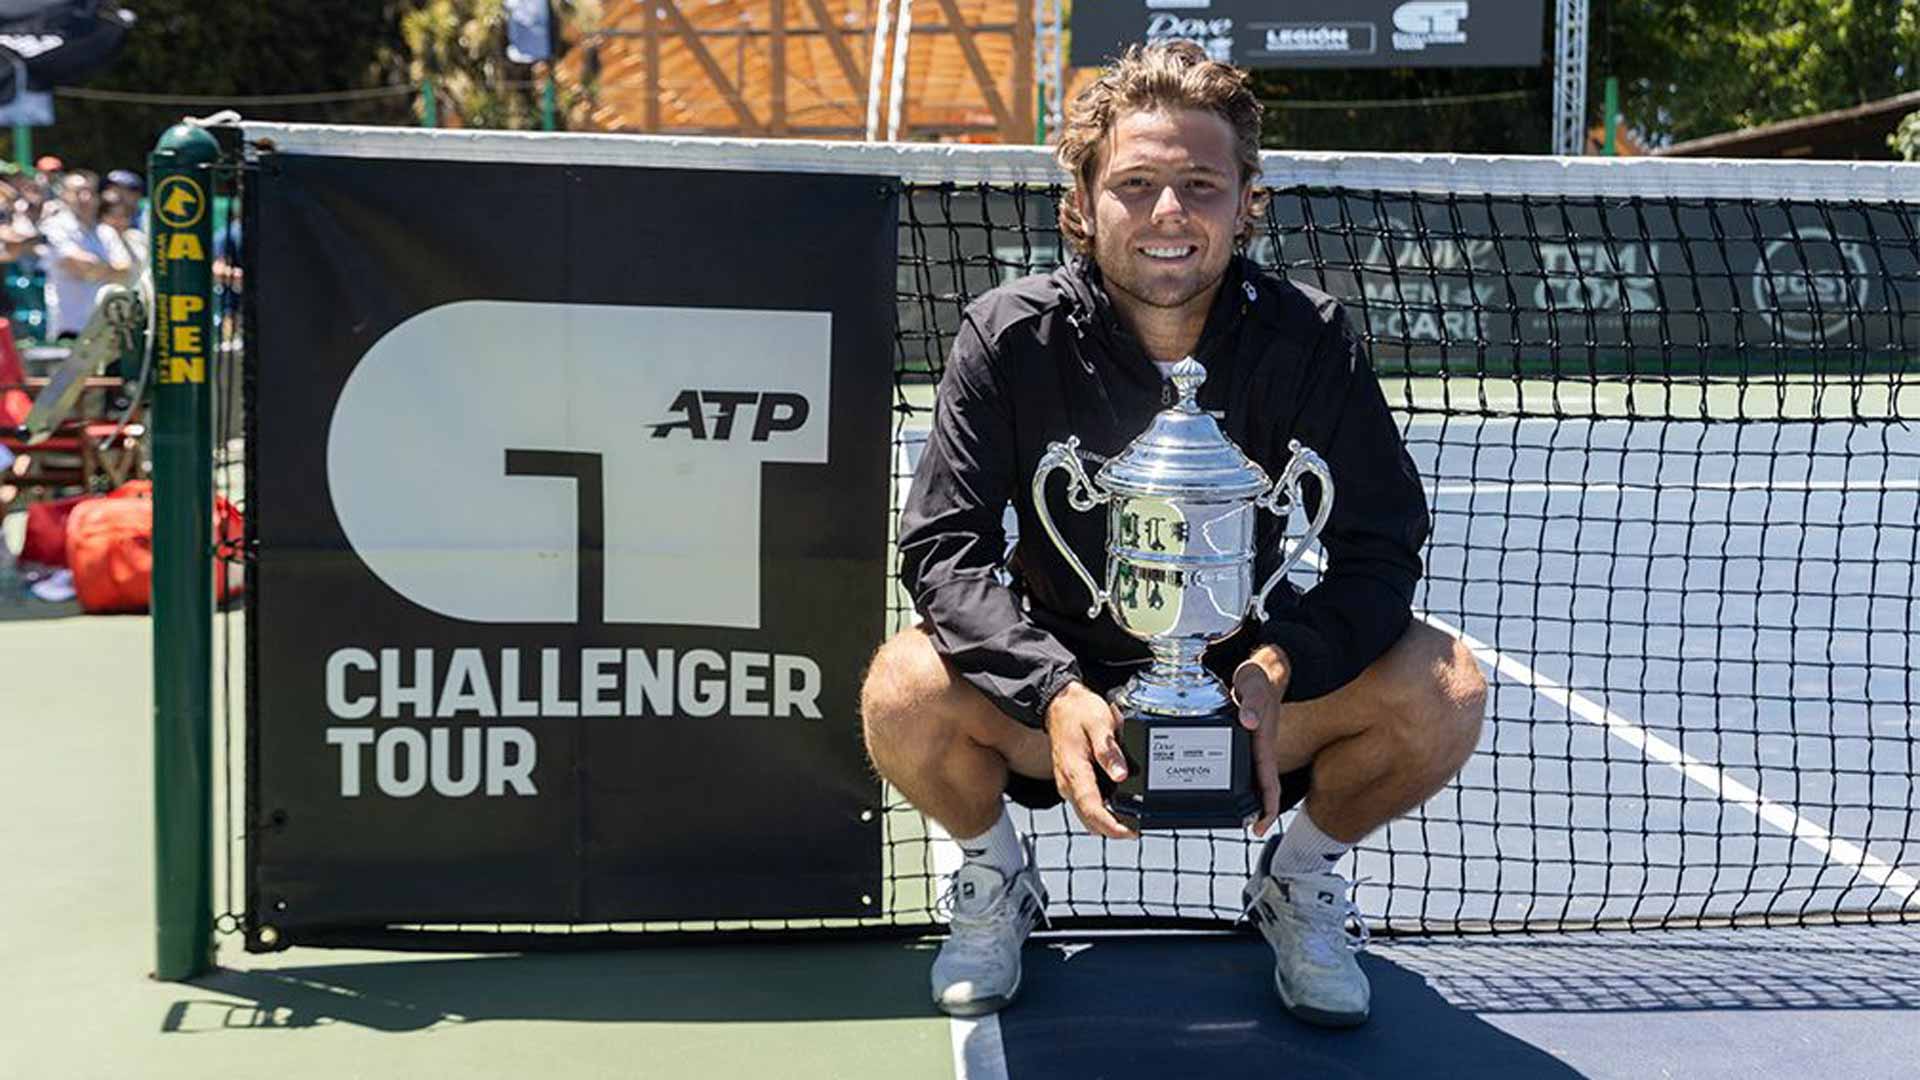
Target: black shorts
{"type": "Point", "coordinates": [1103, 678]}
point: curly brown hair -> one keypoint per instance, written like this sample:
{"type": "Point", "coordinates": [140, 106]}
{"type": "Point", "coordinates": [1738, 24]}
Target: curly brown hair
{"type": "Point", "coordinates": [1164, 75]}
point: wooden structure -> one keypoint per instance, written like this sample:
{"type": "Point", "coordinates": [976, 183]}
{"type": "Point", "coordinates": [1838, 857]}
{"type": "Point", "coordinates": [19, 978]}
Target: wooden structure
{"type": "Point", "coordinates": [1858, 133]}
{"type": "Point", "coordinates": [962, 70]}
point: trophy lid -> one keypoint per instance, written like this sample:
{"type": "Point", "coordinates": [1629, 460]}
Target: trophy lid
{"type": "Point", "coordinates": [1184, 452]}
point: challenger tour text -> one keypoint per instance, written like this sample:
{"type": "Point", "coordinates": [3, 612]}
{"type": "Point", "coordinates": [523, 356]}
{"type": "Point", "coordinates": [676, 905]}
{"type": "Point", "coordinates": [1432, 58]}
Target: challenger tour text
{"type": "Point", "coordinates": [392, 684]}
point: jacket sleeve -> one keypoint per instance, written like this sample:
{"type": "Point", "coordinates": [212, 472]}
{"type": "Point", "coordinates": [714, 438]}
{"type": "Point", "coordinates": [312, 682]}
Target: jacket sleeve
{"type": "Point", "coordinates": [1362, 603]}
{"type": "Point", "coordinates": [953, 543]}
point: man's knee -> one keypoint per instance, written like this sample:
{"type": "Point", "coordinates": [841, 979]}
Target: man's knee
{"type": "Point", "coordinates": [1438, 699]}
{"type": "Point", "coordinates": [902, 699]}
{"type": "Point", "coordinates": [1462, 700]}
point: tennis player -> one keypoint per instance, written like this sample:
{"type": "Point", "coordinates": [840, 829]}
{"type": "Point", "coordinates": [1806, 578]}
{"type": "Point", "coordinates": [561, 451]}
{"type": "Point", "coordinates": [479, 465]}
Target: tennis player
{"type": "Point", "coordinates": [1354, 706]}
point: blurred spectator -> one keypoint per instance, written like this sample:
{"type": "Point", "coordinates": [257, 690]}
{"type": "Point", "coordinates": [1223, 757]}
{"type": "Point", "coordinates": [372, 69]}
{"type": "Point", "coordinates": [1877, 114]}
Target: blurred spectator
{"type": "Point", "coordinates": [82, 254]}
{"type": "Point", "coordinates": [134, 187]}
{"type": "Point", "coordinates": [119, 211]}
{"type": "Point", "coordinates": [18, 233]}
{"type": "Point", "coordinates": [229, 279]}
{"type": "Point", "coordinates": [126, 179]}
{"type": "Point", "coordinates": [23, 287]}
{"type": "Point", "coordinates": [33, 195]}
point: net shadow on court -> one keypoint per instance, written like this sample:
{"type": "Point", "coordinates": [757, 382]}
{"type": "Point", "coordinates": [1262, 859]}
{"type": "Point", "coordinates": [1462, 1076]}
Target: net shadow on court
{"type": "Point", "coordinates": [1208, 1009]}
{"type": "Point", "coordinates": [1676, 1002]}
{"type": "Point", "coordinates": [798, 983]}
{"type": "Point", "coordinates": [1864, 968]}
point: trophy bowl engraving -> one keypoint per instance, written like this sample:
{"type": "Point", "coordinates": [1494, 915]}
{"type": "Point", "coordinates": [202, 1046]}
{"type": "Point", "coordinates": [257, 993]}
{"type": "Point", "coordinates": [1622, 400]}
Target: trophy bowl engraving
{"type": "Point", "coordinates": [1182, 503]}
{"type": "Point", "coordinates": [1179, 569]}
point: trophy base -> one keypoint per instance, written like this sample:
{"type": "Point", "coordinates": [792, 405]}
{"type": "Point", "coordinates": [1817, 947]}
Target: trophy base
{"type": "Point", "coordinates": [1185, 772]}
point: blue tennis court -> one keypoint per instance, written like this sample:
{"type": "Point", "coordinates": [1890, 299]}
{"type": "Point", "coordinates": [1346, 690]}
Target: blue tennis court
{"type": "Point", "coordinates": [1700, 639]}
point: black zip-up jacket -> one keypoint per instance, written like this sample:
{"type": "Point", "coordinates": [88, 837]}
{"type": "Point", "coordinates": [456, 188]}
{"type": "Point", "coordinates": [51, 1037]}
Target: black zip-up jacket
{"type": "Point", "coordinates": [1045, 357]}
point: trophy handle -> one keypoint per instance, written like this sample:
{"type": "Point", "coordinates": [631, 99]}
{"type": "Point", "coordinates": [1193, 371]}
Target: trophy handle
{"type": "Point", "coordinates": [1285, 492]}
{"type": "Point", "coordinates": [1081, 495]}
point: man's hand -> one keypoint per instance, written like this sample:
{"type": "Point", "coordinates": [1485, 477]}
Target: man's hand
{"type": "Point", "coordinates": [1258, 685]}
{"type": "Point", "coordinates": [1085, 732]}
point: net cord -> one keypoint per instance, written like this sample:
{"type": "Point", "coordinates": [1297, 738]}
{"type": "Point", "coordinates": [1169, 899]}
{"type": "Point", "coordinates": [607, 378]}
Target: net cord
{"type": "Point", "coordinates": [1454, 174]}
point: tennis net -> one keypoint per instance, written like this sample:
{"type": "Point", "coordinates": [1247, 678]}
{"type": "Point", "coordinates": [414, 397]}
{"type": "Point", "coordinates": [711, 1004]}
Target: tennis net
{"type": "Point", "coordinates": [1664, 413]}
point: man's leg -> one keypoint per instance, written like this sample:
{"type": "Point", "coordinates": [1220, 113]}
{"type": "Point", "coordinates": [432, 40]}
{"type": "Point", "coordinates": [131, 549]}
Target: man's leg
{"type": "Point", "coordinates": [1386, 742]}
{"type": "Point", "coordinates": [1379, 746]}
{"type": "Point", "coordinates": [949, 750]}
{"type": "Point", "coordinates": [940, 741]}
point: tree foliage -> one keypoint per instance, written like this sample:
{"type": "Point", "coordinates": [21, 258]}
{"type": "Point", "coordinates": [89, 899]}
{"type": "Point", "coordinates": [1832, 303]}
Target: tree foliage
{"type": "Point", "coordinates": [1690, 68]}
{"type": "Point", "coordinates": [224, 47]}
{"type": "Point", "coordinates": [377, 51]}
{"type": "Point", "coordinates": [462, 46]}
{"type": "Point", "coordinates": [1687, 68]}
{"type": "Point", "coordinates": [1905, 140]}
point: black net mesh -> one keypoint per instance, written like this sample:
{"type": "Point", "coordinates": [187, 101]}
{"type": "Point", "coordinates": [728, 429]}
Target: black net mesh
{"type": "Point", "coordinates": [1675, 480]}
{"type": "Point", "coordinates": [1669, 449]}
{"type": "Point", "coordinates": [233, 430]}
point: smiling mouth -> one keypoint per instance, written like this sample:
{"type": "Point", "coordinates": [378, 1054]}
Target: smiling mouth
{"type": "Point", "coordinates": [1167, 252]}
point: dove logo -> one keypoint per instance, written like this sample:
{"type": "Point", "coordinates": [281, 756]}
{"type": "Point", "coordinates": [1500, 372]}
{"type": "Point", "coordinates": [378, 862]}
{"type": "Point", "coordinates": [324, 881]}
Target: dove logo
{"type": "Point", "coordinates": [541, 493]}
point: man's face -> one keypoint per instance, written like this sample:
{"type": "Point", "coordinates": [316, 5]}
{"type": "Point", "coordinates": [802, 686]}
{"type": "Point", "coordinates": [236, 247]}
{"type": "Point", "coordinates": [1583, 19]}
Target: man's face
{"type": "Point", "coordinates": [1167, 202]}
{"type": "Point", "coordinates": [78, 193]}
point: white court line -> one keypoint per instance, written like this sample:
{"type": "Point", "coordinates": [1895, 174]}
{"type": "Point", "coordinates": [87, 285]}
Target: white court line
{"type": "Point", "coordinates": [1653, 747]}
{"type": "Point", "coordinates": [1498, 487]}
{"type": "Point", "coordinates": [977, 1051]}
{"type": "Point", "coordinates": [1779, 815]}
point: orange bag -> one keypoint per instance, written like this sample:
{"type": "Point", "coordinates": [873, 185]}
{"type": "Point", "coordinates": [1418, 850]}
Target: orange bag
{"type": "Point", "coordinates": [110, 549]}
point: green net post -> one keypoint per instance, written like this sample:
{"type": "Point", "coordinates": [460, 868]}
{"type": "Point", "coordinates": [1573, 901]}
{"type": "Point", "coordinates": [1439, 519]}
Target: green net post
{"type": "Point", "coordinates": [182, 260]}
{"type": "Point", "coordinates": [23, 146]}
{"type": "Point", "coordinates": [548, 103]}
{"type": "Point", "coordinates": [429, 108]}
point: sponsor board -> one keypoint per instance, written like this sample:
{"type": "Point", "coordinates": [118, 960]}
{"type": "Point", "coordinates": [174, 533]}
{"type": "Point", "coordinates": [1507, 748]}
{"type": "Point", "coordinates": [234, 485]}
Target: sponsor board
{"type": "Point", "coordinates": [1418, 24]}
{"type": "Point", "coordinates": [1319, 33]}
{"type": "Point", "coordinates": [567, 562]}
{"type": "Point", "coordinates": [1317, 39]}
{"type": "Point", "coordinates": [1616, 282]}
{"type": "Point", "coordinates": [1215, 35]}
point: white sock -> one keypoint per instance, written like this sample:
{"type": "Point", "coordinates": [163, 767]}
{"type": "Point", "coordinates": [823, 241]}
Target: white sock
{"type": "Point", "coordinates": [1304, 849]}
{"type": "Point", "coordinates": [998, 847]}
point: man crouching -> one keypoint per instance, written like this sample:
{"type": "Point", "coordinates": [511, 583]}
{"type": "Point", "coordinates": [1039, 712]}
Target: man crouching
{"type": "Point", "coordinates": [1353, 706]}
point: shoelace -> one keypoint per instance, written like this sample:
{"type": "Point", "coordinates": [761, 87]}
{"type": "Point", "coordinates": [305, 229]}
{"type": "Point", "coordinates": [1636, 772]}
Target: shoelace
{"type": "Point", "coordinates": [1323, 932]}
{"type": "Point", "coordinates": [998, 920]}
{"type": "Point", "coordinates": [1348, 924]}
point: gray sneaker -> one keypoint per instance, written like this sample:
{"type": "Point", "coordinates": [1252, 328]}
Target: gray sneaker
{"type": "Point", "coordinates": [978, 969]}
{"type": "Point", "coordinates": [1305, 918]}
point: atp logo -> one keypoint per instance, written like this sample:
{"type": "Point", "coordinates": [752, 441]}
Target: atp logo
{"type": "Point", "coordinates": [772, 412]}
{"type": "Point", "coordinates": [510, 462]}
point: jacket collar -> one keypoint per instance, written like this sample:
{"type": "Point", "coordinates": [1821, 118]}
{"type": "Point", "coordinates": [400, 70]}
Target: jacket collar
{"type": "Point", "coordinates": [1092, 312]}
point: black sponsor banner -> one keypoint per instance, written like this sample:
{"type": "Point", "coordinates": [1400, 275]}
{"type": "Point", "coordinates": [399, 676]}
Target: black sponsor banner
{"type": "Point", "coordinates": [1507, 284]}
{"type": "Point", "coordinates": [570, 486]}
{"type": "Point", "coordinates": [1320, 33]}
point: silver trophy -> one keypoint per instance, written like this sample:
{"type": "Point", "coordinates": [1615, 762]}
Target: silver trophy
{"type": "Point", "coordinates": [1181, 507]}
